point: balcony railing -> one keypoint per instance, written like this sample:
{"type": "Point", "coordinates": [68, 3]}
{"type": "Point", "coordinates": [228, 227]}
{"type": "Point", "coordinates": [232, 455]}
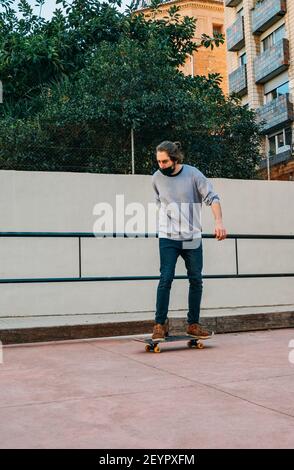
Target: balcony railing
{"type": "Point", "coordinates": [276, 113]}
{"type": "Point", "coordinates": [266, 13]}
{"type": "Point", "coordinates": [232, 3]}
{"type": "Point", "coordinates": [82, 278]}
{"type": "Point", "coordinates": [282, 157]}
{"type": "Point", "coordinates": [272, 62]}
{"type": "Point", "coordinates": [235, 35]}
{"type": "Point", "coordinates": [238, 81]}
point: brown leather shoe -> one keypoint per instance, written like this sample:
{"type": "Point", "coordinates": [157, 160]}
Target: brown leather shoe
{"type": "Point", "coordinates": [160, 331]}
{"type": "Point", "coordinates": [199, 331]}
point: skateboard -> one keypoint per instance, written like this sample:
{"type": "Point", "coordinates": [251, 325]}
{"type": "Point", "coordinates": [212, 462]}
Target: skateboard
{"type": "Point", "coordinates": [153, 345]}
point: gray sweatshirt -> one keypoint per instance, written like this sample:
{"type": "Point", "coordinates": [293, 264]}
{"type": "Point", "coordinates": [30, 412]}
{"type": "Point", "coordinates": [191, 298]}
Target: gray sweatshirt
{"type": "Point", "coordinates": [179, 200]}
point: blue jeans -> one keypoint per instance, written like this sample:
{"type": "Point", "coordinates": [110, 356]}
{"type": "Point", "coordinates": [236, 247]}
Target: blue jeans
{"type": "Point", "coordinates": [169, 251]}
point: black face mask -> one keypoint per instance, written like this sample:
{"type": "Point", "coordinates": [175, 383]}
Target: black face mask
{"type": "Point", "coordinates": [167, 171]}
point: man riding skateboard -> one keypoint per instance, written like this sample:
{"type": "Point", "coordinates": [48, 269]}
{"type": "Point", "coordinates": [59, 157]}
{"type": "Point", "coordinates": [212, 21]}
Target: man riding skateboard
{"type": "Point", "coordinates": [179, 191]}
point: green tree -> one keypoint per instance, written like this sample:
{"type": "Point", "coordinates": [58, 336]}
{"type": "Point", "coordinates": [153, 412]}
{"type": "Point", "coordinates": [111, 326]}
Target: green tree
{"type": "Point", "coordinates": [127, 79]}
{"type": "Point", "coordinates": [35, 51]}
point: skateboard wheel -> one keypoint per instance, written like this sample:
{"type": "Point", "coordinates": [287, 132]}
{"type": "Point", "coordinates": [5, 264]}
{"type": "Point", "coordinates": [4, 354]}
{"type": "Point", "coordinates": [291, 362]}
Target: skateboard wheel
{"type": "Point", "coordinates": [200, 346]}
{"type": "Point", "coordinates": [147, 348]}
{"type": "Point", "coordinates": [156, 349]}
{"type": "Point", "coordinates": [192, 343]}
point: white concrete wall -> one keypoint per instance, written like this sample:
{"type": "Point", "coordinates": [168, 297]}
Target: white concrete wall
{"type": "Point", "coordinates": [63, 202]}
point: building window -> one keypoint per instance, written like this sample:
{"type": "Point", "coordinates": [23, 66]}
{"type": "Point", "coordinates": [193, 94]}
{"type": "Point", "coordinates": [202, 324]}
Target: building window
{"type": "Point", "coordinates": [276, 92]}
{"type": "Point", "coordinates": [280, 141]}
{"type": "Point", "coordinates": [272, 145]}
{"type": "Point", "coordinates": [243, 59]}
{"type": "Point", "coordinates": [217, 29]}
{"type": "Point", "coordinates": [273, 38]}
{"type": "Point", "coordinates": [288, 136]}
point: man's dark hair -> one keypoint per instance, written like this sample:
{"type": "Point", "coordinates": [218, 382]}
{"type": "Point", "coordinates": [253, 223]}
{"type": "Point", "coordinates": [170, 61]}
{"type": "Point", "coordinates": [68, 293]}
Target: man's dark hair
{"type": "Point", "coordinates": [173, 149]}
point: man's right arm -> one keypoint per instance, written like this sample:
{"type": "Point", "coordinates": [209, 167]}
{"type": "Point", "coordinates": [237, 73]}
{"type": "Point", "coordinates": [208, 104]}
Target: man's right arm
{"type": "Point", "coordinates": [156, 195]}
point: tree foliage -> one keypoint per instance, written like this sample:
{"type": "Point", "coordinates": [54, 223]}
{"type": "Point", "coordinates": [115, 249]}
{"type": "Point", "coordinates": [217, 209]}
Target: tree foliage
{"type": "Point", "coordinates": [76, 85]}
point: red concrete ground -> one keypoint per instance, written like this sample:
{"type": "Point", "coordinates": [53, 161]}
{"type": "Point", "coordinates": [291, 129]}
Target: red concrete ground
{"type": "Point", "coordinates": [238, 392]}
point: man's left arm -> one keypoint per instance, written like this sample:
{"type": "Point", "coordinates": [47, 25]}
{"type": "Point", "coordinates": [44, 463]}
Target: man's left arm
{"type": "Point", "coordinates": [219, 229]}
{"type": "Point", "coordinates": [211, 198]}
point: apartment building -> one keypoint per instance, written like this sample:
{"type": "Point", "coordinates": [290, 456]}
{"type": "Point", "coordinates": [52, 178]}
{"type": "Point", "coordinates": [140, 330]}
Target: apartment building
{"type": "Point", "coordinates": [210, 18]}
{"type": "Point", "coordinates": [260, 53]}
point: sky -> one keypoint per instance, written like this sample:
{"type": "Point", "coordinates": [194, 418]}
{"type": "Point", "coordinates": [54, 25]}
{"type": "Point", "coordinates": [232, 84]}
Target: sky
{"type": "Point", "coordinates": [49, 7]}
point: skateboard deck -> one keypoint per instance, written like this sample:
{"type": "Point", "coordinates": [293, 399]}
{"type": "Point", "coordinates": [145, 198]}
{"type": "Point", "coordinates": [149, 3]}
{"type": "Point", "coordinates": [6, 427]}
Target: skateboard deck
{"type": "Point", "coordinates": [153, 345]}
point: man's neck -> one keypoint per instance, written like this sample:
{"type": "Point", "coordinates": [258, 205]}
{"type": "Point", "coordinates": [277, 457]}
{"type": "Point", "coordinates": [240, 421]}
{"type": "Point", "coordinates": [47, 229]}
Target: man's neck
{"type": "Point", "coordinates": [178, 167]}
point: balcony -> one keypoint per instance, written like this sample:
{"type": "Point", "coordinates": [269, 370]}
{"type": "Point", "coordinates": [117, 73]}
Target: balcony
{"type": "Point", "coordinates": [266, 13]}
{"type": "Point", "coordinates": [232, 3]}
{"type": "Point", "coordinates": [282, 157]}
{"type": "Point", "coordinates": [235, 35]}
{"type": "Point", "coordinates": [238, 81]}
{"type": "Point", "coordinates": [272, 62]}
{"type": "Point", "coordinates": [276, 114]}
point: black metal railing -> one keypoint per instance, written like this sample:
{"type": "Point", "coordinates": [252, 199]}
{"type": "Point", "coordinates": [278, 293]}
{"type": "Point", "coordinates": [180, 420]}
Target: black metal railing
{"type": "Point", "coordinates": [81, 278]}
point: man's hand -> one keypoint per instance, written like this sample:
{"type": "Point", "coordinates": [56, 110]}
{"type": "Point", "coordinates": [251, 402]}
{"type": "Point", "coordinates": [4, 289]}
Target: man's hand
{"type": "Point", "coordinates": [220, 231]}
